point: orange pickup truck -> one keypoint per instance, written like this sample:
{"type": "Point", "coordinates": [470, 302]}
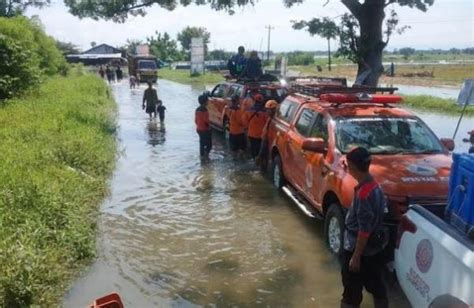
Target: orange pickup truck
{"type": "Point", "coordinates": [313, 131]}
{"type": "Point", "coordinates": [221, 95]}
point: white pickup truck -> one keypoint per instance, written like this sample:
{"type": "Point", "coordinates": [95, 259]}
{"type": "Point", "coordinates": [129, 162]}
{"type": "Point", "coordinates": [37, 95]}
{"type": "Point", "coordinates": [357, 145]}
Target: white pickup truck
{"type": "Point", "coordinates": [433, 261]}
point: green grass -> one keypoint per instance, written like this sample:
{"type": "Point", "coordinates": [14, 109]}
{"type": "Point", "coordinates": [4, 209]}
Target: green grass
{"type": "Point", "coordinates": [451, 74]}
{"type": "Point", "coordinates": [57, 152]}
{"type": "Point", "coordinates": [184, 76]}
{"type": "Point", "coordinates": [438, 105]}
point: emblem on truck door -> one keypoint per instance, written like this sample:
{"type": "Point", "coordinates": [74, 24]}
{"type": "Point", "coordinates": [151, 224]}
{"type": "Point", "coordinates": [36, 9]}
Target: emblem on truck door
{"type": "Point", "coordinates": [424, 255]}
{"type": "Point", "coordinates": [422, 170]}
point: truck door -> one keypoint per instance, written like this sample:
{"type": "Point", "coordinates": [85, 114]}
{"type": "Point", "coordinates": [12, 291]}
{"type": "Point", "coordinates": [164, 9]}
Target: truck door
{"type": "Point", "coordinates": [296, 157]}
{"type": "Point", "coordinates": [316, 173]}
{"type": "Point", "coordinates": [216, 104]}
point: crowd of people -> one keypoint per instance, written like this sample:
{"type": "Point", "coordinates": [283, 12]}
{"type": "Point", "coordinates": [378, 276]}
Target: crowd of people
{"type": "Point", "coordinates": [248, 124]}
{"type": "Point", "coordinates": [112, 74]}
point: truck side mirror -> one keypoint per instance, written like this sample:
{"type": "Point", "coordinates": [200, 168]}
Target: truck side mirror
{"type": "Point", "coordinates": [448, 143]}
{"type": "Point", "coordinates": [316, 145]}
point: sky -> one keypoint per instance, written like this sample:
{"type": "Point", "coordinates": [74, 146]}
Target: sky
{"type": "Point", "coordinates": [447, 24]}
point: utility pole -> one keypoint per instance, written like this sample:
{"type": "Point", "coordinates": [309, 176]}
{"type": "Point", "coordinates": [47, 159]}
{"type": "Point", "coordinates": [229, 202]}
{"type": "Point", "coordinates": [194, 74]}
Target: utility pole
{"type": "Point", "coordinates": [270, 28]}
{"type": "Point", "coordinates": [329, 53]}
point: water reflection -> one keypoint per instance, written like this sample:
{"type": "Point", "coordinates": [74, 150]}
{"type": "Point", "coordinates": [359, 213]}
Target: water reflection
{"type": "Point", "coordinates": [156, 132]}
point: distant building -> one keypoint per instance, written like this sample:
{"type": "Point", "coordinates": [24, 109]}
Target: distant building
{"type": "Point", "coordinates": [99, 55]}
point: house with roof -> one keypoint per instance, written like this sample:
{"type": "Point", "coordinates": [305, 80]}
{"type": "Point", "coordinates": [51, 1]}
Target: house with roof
{"type": "Point", "coordinates": [99, 55]}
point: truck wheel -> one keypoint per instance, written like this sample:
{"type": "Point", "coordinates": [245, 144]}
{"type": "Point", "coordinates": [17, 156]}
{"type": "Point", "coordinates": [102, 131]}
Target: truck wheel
{"type": "Point", "coordinates": [278, 178]}
{"type": "Point", "coordinates": [334, 229]}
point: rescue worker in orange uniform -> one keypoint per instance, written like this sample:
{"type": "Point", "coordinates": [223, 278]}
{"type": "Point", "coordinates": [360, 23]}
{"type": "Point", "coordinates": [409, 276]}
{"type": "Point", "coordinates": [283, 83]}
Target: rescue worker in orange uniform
{"type": "Point", "coordinates": [255, 119]}
{"type": "Point", "coordinates": [248, 101]}
{"type": "Point", "coordinates": [203, 127]}
{"type": "Point", "coordinates": [238, 143]}
{"type": "Point", "coordinates": [262, 158]}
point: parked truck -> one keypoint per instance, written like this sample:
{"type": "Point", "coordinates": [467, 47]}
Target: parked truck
{"type": "Point", "coordinates": [143, 65]}
{"type": "Point", "coordinates": [434, 258]}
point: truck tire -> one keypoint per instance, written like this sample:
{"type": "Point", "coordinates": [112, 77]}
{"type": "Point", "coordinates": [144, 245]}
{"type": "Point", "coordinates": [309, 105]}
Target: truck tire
{"type": "Point", "coordinates": [277, 176]}
{"type": "Point", "coordinates": [334, 229]}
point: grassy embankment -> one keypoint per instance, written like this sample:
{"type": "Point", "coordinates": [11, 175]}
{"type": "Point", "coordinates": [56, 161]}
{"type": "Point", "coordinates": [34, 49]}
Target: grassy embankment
{"type": "Point", "coordinates": [57, 152]}
{"type": "Point", "coordinates": [443, 74]}
{"type": "Point", "coordinates": [183, 76]}
{"type": "Point", "coordinates": [437, 105]}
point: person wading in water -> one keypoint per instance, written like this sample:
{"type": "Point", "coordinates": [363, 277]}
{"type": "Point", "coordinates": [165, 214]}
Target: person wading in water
{"type": "Point", "coordinates": [150, 100]}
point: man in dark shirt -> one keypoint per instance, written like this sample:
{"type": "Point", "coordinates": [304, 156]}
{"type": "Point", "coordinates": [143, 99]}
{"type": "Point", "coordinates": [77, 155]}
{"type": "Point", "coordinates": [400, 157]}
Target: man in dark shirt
{"type": "Point", "coordinates": [364, 239]}
{"type": "Point", "coordinates": [237, 63]}
{"type": "Point", "coordinates": [150, 100]}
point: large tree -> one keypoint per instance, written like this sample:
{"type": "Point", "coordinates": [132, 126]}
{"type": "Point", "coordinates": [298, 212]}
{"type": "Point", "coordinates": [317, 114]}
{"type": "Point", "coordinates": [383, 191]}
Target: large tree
{"type": "Point", "coordinates": [164, 47]}
{"type": "Point", "coordinates": [363, 39]}
{"type": "Point", "coordinates": [185, 36]}
{"type": "Point", "coordinates": [10, 8]}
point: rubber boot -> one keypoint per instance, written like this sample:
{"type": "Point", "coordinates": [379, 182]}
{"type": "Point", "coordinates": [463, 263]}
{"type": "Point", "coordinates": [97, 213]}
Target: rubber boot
{"type": "Point", "coordinates": [344, 305]}
{"type": "Point", "coordinates": [380, 303]}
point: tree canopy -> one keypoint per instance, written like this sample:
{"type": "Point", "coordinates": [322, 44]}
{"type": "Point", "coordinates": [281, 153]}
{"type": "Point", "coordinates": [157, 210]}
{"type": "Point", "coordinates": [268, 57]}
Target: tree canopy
{"type": "Point", "coordinates": [164, 47]}
{"type": "Point", "coordinates": [185, 36]}
{"type": "Point", "coordinates": [362, 34]}
{"type": "Point", "coordinates": [10, 8]}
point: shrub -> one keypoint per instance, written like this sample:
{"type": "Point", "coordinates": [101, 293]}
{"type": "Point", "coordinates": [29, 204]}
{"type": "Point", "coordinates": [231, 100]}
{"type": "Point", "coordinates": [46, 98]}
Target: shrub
{"type": "Point", "coordinates": [27, 55]}
{"type": "Point", "coordinates": [300, 58]}
{"type": "Point", "coordinates": [18, 68]}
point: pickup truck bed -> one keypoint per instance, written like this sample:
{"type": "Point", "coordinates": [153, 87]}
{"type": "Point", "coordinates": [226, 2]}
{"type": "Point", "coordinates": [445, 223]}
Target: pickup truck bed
{"type": "Point", "coordinates": [434, 262]}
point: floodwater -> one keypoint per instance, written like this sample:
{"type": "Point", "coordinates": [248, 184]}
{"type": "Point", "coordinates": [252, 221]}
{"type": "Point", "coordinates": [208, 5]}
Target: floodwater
{"type": "Point", "coordinates": [178, 233]}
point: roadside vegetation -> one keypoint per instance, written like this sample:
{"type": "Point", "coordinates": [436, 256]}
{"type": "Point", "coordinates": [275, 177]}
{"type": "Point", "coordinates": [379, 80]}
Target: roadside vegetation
{"type": "Point", "coordinates": [57, 151]}
{"type": "Point", "coordinates": [27, 56]}
{"type": "Point", "coordinates": [183, 76]}
{"type": "Point", "coordinates": [435, 104]}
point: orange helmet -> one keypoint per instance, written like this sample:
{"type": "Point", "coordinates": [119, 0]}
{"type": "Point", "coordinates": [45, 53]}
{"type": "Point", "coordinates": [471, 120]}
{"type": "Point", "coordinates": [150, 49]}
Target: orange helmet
{"type": "Point", "coordinates": [271, 104]}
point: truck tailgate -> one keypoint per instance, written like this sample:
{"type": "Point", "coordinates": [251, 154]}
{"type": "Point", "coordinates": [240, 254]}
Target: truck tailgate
{"type": "Point", "coordinates": [434, 262]}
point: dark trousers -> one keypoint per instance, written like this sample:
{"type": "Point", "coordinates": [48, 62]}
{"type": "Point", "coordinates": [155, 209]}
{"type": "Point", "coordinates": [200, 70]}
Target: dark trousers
{"type": "Point", "coordinates": [205, 142]}
{"type": "Point", "coordinates": [369, 276]}
{"type": "Point", "coordinates": [161, 113]}
{"type": "Point", "coordinates": [255, 144]}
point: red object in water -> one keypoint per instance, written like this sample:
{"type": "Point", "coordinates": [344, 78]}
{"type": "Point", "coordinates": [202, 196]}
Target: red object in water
{"type": "Point", "coordinates": [111, 300]}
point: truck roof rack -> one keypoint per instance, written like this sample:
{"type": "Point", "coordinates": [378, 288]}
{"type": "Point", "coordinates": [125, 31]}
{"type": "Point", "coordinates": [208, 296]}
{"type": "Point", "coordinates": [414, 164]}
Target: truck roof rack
{"type": "Point", "coordinates": [264, 79]}
{"type": "Point", "coordinates": [317, 80]}
{"type": "Point", "coordinates": [317, 90]}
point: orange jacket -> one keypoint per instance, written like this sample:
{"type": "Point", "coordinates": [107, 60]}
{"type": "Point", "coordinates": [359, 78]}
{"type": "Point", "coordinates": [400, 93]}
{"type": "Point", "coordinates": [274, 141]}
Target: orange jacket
{"type": "Point", "coordinates": [247, 103]}
{"type": "Point", "coordinates": [202, 119]}
{"type": "Point", "coordinates": [255, 122]}
{"type": "Point", "coordinates": [236, 126]}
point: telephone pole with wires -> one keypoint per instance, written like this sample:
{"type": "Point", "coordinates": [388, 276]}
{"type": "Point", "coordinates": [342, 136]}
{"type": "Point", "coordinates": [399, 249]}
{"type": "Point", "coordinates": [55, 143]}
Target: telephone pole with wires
{"type": "Point", "coordinates": [270, 28]}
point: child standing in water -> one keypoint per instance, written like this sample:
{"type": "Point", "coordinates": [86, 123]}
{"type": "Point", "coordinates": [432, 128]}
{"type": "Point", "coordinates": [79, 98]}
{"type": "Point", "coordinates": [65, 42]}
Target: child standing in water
{"type": "Point", "coordinates": [150, 101]}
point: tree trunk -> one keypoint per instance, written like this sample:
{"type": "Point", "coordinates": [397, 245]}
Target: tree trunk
{"type": "Point", "coordinates": [371, 44]}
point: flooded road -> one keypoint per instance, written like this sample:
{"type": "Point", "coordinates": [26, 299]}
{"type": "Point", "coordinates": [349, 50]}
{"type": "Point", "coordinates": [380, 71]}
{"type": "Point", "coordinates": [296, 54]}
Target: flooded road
{"type": "Point", "coordinates": [176, 233]}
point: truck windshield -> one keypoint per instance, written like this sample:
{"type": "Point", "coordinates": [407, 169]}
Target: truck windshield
{"type": "Point", "coordinates": [147, 64]}
{"type": "Point", "coordinates": [381, 135]}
